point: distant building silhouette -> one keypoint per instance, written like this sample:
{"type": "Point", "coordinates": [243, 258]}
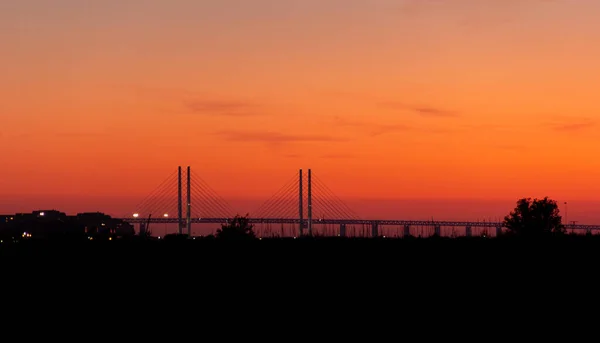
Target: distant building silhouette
{"type": "Point", "coordinates": [56, 224]}
{"type": "Point", "coordinates": [102, 224]}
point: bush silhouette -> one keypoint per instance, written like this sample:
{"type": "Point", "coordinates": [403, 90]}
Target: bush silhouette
{"type": "Point", "coordinates": [239, 228]}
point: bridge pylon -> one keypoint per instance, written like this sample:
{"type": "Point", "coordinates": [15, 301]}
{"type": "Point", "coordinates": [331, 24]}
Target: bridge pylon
{"type": "Point", "coordinates": [300, 205]}
{"type": "Point", "coordinates": [179, 202]}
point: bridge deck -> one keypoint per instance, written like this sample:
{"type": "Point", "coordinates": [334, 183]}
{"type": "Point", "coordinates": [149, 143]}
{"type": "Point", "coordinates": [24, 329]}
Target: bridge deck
{"type": "Point", "coordinates": [379, 222]}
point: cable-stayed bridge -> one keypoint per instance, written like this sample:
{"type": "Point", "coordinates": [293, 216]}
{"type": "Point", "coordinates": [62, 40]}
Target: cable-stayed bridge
{"type": "Point", "coordinates": [304, 205]}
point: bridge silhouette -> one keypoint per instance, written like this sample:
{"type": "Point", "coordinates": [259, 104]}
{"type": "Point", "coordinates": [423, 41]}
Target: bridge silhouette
{"type": "Point", "coordinates": [304, 205]}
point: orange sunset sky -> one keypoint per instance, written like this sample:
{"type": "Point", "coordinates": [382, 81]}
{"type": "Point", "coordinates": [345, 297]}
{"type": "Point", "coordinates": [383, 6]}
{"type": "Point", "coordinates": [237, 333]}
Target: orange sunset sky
{"type": "Point", "coordinates": [452, 109]}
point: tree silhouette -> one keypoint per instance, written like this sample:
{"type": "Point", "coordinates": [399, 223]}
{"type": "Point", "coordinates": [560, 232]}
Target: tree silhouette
{"type": "Point", "coordinates": [538, 217]}
{"type": "Point", "coordinates": [239, 228]}
{"type": "Point", "coordinates": [146, 233]}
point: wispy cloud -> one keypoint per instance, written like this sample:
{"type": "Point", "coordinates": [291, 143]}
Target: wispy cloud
{"type": "Point", "coordinates": [337, 156]}
{"type": "Point", "coordinates": [375, 129]}
{"type": "Point", "coordinates": [489, 127]}
{"type": "Point", "coordinates": [424, 111]}
{"type": "Point", "coordinates": [576, 125]}
{"type": "Point", "coordinates": [275, 137]}
{"type": "Point", "coordinates": [434, 112]}
{"type": "Point", "coordinates": [82, 135]}
{"type": "Point", "coordinates": [389, 128]}
{"type": "Point", "coordinates": [225, 108]}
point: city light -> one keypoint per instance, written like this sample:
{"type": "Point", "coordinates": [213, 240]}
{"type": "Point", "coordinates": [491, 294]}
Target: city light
{"type": "Point", "coordinates": [42, 214]}
{"type": "Point", "coordinates": [135, 215]}
{"type": "Point", "coordinates": [166, 215]}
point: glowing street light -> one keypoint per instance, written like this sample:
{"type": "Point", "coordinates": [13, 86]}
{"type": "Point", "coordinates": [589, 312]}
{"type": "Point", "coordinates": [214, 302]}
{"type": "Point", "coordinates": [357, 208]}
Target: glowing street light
{"type": "Point", "coordinates": [166, 215]}
{"type": "Point", "coordinates": [42, 214]}
{"type": "Point", "coordinates": [135, 215]}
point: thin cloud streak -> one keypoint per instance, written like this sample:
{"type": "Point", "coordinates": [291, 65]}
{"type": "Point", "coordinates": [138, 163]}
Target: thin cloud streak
{"type": "Point", "coordinates": [337, 156]}
{"type": "Point", "coordinates": [383, 129]}
{"type": "Point", "coordinates": [275, 137]}
{"type": "Point", "coordinates": [225, 108]}
{"type": "Point", "coordinates": [377, 129]}
{"type": "Point", "coordinates": [575, 126]}
{"type": "Point", "coordinates": [82, 135]}
{"type": "Point", "coordinates": [424, 111]}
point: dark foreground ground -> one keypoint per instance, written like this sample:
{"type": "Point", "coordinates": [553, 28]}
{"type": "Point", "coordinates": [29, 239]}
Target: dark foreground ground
{"type": "Point", "coordinates": [271, 257]}
{"type": "Point", "coordinates": [309, 282]}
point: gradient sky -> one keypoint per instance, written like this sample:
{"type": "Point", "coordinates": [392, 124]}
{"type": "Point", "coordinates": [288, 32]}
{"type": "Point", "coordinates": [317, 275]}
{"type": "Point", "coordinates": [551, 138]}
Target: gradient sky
{"type": "Point", "coordinates": [457, 99]}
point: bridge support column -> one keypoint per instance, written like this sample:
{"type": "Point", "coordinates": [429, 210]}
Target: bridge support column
{"type": "Point", "coordinates": [468, 231]}
{"type": "Point", "coordinates": [375, 229]}
{"type": "Point", "coordinates": [189, 202]}
{"type": "Point", "coordinates": [342, 230]}
{"type": "Point", "coordinates": [300, 206]}
{"type": "Point", "coordinates": [309, 204]}
{"type": "Point", "coordinates": [498, 231]}
{"type": "Point", "coordinates": [179, 203]}
{"type": "Point", "coordinates": [437, 231]}
{"type": "Point", "coordinates": [406, 232]}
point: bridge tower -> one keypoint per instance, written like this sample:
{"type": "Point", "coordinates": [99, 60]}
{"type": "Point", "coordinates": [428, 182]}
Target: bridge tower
{"type": "Point", "coordinates": [179, 203]}
{"type": "Point", "coordinates": [302, 197]}
{"type": "Point", "coordinates": [309, 203]}
{"type": "Point", "coordinates": [300, 206]}
{"type": "Point", "coordinates": [189, 202]}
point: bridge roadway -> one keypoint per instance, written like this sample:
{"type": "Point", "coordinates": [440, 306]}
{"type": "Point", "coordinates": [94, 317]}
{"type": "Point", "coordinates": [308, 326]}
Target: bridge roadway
{"type": "Point", "coordinates": [378, 222]}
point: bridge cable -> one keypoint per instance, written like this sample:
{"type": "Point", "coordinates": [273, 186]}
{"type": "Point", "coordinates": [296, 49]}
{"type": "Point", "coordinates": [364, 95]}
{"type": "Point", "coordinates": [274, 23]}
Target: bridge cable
{"type": "Point", "coordinates": [268, 206]}
{"type": "Point", "coordinates": [217, 198]}
{"type": "Point", "coordinates": [344, 206]}
{"type": "Point", "coordinates": [152, 196]}
{"type": "Point", "coordinates": [209, 207]}
{"type": "Point", "coordinates": [282, 204]}
{"type": "Point", "coordinates": [209, 199]}
{"type": "Point", "coordinates": [158, 201]}
{"type": "Point", "coordinates": [269, 202]}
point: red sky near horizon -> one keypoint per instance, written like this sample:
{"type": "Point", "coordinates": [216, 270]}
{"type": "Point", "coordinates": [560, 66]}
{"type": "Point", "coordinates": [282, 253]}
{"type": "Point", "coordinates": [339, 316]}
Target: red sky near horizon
{"type": "Point", "coordinates": [437, 101]}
